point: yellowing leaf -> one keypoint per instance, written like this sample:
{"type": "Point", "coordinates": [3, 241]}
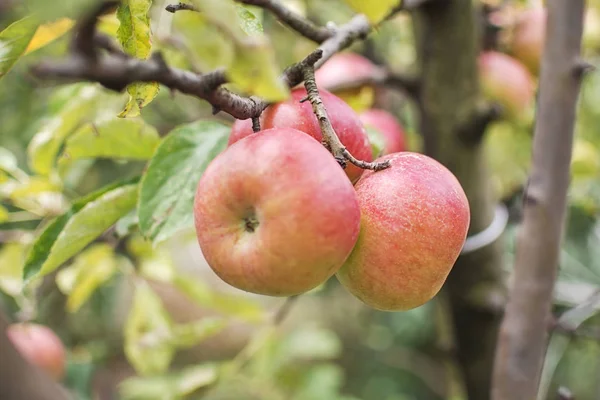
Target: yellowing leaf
{"type": "Point", "coordinates": [134, 34]}
{"type": "Point", "coordinates": [147, 331]}
{"type": "Point", "coordinates": [89, 270]}
{"type": "Point", "coordinates": [12, 256]}
{"type": "Point", "coordinates": [3, 214]}
{"type": "Point", "coordinates": [109, 25]}
{"type": "Point", "coordinates": [113, 138]}
{"type": "Point", "coordinates": [375, 11]}
{"type": "Point", "coordinates": [254, 71]}
{"type": "Point", "coordinates": [49, 32]}
{"type": "Point", "coordinates": [13, 42]}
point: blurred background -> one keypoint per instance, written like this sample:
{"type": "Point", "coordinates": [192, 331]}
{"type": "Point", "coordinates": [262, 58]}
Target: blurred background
{"type": "Point", "coordinates": [329, 346]}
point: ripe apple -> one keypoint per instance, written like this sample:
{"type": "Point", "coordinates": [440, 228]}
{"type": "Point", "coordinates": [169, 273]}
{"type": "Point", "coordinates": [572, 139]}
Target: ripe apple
{"type": "Point", "coordinates": [528, 38]}
{"type": "Point", "coordinates": [393, 134]}
{"type": "Point", "coordinates": [300, 116]}
{"type": "Point", "coordinates": [40, 346]}
{"type": "Point", "coordinates": [347, 68]}
{"type": "Point", "coordinates": [506, 81]}
{"type": "Point", "coordinates": [275, 214]}
{"type": "Point", "coordinates": [414, 221]}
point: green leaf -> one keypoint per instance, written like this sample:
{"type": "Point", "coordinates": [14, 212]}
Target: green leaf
{"type": "Point", "coordinates": [237, 306]}
{"type": "Point", "coordinates": [167, 188]}
{"type": "Point", "coordinates": [173, 386]}
{"type": "Point", "coordinates": [113, 138]}
{"type": "Point", "coordinates": [255, 71]}
{"type": "Point", "coordinates": [249, 22]}
{"type": "Point", "coordinates": [559, 343]}
{"type": "Point", "coordinates": [89, 270]}
{"type": "Point", "coordinates": [3, 214]}
{"type": "Point", "coordinates": [312, 343]}
{"type": "Point", "coordinates": [190, 334]}
{"type": "Point", "coordinates": [8, 163]}
{"type": "Point", "coordinates": [376, 139]}
{"type": "Point", "coordinates": [44, 146]}
{"type": "Point", "coordinates": [87, 219]}
{"type": "Point", "coordinates": [375, 11]}
{"type": "Point", "coordinates": [147, 333]}
{"type": "Point", "coordinates": [14, 41]}
{"type": "Point", "coordinates": [134, 34]}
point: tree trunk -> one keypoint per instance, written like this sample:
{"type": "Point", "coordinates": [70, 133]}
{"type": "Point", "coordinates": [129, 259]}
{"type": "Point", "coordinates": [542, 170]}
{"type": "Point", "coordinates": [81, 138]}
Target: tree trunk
{"type": "Point", "coordinates": [448, 43]}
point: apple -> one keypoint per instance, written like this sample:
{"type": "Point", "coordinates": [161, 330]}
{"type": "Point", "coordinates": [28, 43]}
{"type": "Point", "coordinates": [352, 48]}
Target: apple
{"type": "Point", "coordinates": [275, 214]}
{"type": "Point", "coordinates": [344, 68]}
{"type": "Point", "coordinates": [300, 116]}
{"type": "Point", "coordinates": [414, 221]}
{"type": "Point", "coordinates": [506, 81]}
{"type": "Point", "coordinates": [528, 37]}
{"type": "Point", "coordinates": [40, 346]}
{"type": "Point", "coordinates": [394, 136]}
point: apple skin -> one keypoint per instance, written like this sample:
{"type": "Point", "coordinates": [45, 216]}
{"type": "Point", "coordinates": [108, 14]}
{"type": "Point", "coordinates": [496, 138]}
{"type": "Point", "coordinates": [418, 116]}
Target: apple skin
{"type": "Point", "coordinates": [306, 210]}
{"type": "Point", "coordinates": [528, 38]}
{"type": "Point", "coordinates": [393, 133]}
{"type": "Point", "coordinates": [415, 218]}
{"type": "Point", "coordinates": [344, 67]}
{"type": "Point", "coordinates": [505, 80]}
{"type": "Point", "coordinates": [300, 116]}
{"type": "Point", "coordinates": [40, 346]}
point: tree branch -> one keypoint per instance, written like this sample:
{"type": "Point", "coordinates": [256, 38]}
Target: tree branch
{"type": "Point", "coordinates": [330, 138]}
{"type": "Point", "coordinates": [523, 333]}
{"type": "Point", "coordinates": [21, 380]}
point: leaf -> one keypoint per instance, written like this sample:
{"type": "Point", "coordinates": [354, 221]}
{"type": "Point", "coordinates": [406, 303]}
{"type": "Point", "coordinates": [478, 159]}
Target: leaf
{"type": "Point", "coordinates": [89, 270]}
{"type": "Point", "coordinates": [249, 22]}
{"type": "Point", "coordinates": [44, 146]}
{"type": "Point", "coordinates": [48, 32]}
{"type": "Point", "coordinates": [113, 138]}
{"type": "Point", "coordinates": [87, 219]}
{"type": "Point", "coordinates": [8, 163]}
{"type": "Point", "coordinates": [12, 256]}
{"type": "Point", "coordinates": [190, 334]}
{"type": "Point", "coordinates": [375, 11]}
{"type": "Point", "coordinates": [4, 216]}
{"type": "Point", "coordinates": [254, 70]}
{"type": "Point", "coordinates": [376, 139]}
{"type": "Point", "coordinates": [167, 188]}
{"type": "Point", "coordinates": [557, 347]}
{"type": "Point", "coordinates": [147, 332]}
{"type": "Point", "coordinates": [312, 343]}
{"type": "Point", "coordinates": [13, 42]}
{"type": "Point", "coordinates": [173, 386]}
{"type": "Point", "coordinates": [134, 34]}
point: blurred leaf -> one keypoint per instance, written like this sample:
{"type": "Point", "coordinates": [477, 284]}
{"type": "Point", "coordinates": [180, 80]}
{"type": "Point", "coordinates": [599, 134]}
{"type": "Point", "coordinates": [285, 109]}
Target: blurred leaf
{"type": "Point", "coordinates": [572, 319]}
{"type": "Point", "coordinates": [9, 163]}
{"type": "Point", "coordinates": [249, 22]}
{"type": "Point", "coordinates": [125, 225]}
{"type": "Point", "coordinates": [172, 386]}
{"type": "Point", "coordinates": [87, 219]}
{"type": "Point", "coordinates": [90, 269]}
{"type": "Point", "coordinates": [48, 32]}
{"type": "Point", "coordinates": [376, 139]}
{"type": "Point", "coordinates": [3, 214]}
{"type": "Point", "coordinates": [254, 70]}
{"type": "Point", "coordinates": [113, 138]}
{"type": "Point", "coordinates": [322, 382]}
{"type": "Point", "coordinates": [134, 34]}
{"type": "Point", "coordinates": [44, 146]}
{"type": "Point", "coordinates": [13, 42]}
{"type": "Point", "coordinates": [360, 99]}
{"type": "Point", "coordinates": [12, 256]}
{"type": "Point", "coordinates": [237, 306]}
{"type": "Point", "coordinates": [37, 194]}
{"type": "Point", "coordinates": [375, 11]}
{"type": "Point", "coordinates": [147, 332]}
{"type": "Point", "coordinates": [312, 343]}
{"type": "Point", "coordinates": [169, 184]}
{"type": "Point", "coordinates": [190, 334]}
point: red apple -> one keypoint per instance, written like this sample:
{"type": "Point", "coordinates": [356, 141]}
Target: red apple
{"type": "Point", "coordinates": [40, 346]}
{"type": "Point", "coordinates": [385, 123]}
{"type": "Point", "coordinates": [275, 214]}
{"type": "Point", "coordinates": [415, 217]}
{"type": "Point", "coordinates": [300, 116]}
{"type": "Point", "coordinates": [343, 68]}
{"type": "Point", "coordinates": [528, 37]}
{"type": "Point", "coordinates": [507, 82]}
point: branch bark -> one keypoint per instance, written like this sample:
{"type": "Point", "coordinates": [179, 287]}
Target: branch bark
{"type": "Point", "coordinates": [447, 46]}
{"type": "Point", "coordinates": [523, 334]}
{"type": "Point", "coordinates": [19, 379]}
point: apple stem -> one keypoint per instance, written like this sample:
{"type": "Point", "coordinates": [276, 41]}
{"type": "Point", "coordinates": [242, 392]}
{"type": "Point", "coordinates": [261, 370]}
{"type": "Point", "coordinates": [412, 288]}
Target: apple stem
{"type": "Point", "coordinates": [330, 139]}
{"type": "Point", "coordinates": [255, 124]}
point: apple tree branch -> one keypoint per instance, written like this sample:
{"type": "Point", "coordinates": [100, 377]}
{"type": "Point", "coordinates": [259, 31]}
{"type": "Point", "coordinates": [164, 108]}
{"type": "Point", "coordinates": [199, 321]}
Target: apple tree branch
{"type": "Point", "coordinates": [523, 332]}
